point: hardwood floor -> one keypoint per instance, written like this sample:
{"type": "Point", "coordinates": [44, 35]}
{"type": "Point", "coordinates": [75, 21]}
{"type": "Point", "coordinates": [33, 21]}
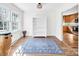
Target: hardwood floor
{"type": "Point", "coordinates": [72, 41]}
{"type": "Point", "coordinates": [17, 44]}
{"type": "Point", "coordinates": [68, 51]}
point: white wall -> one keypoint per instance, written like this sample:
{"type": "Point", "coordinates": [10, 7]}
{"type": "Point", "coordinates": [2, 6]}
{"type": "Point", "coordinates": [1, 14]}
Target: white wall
{"type": "Point", "coordinates": [28, 22]}
{"type": "Point", "coordinates": [52, 23]}
{"type": "Point", "coordinates": [51, 17]}
{"type": "Point", "coordinates": [54, 26]}
{"type": "Point", "coordinates": [28, 18]}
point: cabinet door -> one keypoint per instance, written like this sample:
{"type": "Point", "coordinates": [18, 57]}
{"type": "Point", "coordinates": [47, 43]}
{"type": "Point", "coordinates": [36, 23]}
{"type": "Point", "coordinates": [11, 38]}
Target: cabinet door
{"type": "Point", "coordinates": [1, 45]}
{"type": "Point", "coordinates": [7, 44]}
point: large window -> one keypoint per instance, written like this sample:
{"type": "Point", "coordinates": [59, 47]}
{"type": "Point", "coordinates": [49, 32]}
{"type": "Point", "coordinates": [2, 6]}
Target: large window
{"type": "Point", "coordinates": [8, 20]}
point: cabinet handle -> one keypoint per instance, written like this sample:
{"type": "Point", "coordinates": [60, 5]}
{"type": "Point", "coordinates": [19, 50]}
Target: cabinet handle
{"type": "Point", "coordinates": [6, 37]}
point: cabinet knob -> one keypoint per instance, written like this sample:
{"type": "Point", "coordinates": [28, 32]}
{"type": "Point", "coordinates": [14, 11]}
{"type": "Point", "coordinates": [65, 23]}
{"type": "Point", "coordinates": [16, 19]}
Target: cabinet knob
{"type": "Point", "coordinates": [6, 37]}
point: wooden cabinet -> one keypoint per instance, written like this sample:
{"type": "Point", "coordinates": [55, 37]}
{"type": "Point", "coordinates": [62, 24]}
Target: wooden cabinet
{"type": "Point", "coordinates": [70, 18]}
{"type": "Point", "coordinates": [5, 43]}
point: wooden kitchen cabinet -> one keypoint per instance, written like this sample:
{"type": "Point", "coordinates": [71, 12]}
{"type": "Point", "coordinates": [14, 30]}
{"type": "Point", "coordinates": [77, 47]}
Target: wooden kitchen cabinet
{"type": "Point", "coordinates": [5, 43]}
{"type": "Point", "coordinates": [69, 18]}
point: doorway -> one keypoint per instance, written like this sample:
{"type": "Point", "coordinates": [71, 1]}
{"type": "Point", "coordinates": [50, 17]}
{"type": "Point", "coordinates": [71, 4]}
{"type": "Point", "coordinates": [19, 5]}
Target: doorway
{"type": "Point", "coordinates": [70, 27]}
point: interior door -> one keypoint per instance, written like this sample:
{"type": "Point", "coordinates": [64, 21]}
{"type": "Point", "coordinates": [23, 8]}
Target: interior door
{"type": "Point", "coordinates": [39, 26]}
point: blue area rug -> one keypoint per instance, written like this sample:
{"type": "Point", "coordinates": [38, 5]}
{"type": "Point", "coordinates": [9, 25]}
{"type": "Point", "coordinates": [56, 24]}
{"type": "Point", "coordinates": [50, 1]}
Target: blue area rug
{"type": "Point", "coordinates": [40, 46]}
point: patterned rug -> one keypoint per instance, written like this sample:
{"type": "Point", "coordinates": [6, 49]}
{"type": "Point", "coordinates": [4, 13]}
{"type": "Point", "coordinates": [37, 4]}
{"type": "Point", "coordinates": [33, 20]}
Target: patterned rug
{"type": "Point", "coordinates": [40, 46]}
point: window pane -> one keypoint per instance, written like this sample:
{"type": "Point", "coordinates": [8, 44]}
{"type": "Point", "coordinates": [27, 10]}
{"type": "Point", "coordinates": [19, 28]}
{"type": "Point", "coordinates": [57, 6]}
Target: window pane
{"type": "Point", "coordinates": [0, 14]}
{"type": "Point", "coordinates": [14, 21]}
{"type": "Point", "coordinates": [1, 28]}
{"type": "Point", "coordinates": [6, 25]}
{"type": "Point", "coordinates": [1, 24]}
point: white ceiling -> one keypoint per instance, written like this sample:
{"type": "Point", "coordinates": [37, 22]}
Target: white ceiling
{"type": "Point", "coordinates": [48, 8]}
{"type": "Point", "coordinates": [29, 7]}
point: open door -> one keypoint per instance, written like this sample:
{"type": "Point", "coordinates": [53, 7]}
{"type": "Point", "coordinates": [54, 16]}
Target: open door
{"type": "Point", "coordinates": [70, 27]}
